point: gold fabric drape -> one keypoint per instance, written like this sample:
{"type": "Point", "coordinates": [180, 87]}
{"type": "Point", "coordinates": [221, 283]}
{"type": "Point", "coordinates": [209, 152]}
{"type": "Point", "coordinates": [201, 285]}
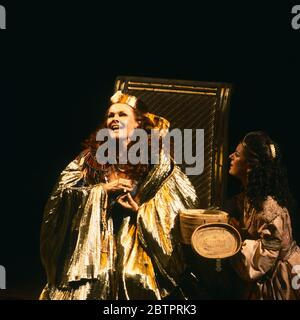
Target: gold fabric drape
{"type": "Point", "coordinates": [85, 258]}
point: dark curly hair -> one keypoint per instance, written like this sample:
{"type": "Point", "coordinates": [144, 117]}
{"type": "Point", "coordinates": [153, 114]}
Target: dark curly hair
{"type": "Point", "coordinates": [267, 177]}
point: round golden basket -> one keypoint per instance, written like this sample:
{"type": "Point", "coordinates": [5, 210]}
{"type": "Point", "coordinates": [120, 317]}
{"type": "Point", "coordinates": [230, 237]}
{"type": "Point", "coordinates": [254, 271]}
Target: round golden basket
{"type": "Point", "coordinates": [190, 219]}
{"type": "Point", "coordinates": [216, 240]}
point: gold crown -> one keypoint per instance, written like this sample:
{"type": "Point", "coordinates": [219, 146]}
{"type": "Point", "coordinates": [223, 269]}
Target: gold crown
{"type": "Point", "coordinates": [120, 97]}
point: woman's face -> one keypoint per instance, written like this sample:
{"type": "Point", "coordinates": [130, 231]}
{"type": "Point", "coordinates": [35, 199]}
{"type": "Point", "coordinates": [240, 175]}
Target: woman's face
{"type": "Point", "coordinates": [238, 164]}
{"type": "Point", "coordinates": [121, 120]}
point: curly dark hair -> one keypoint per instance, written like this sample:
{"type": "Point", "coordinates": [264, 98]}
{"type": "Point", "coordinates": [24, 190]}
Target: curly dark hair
{"type": "Point", "coordinates": [96, 170]}
{"type": "Point", "coordinates": [267, 177]}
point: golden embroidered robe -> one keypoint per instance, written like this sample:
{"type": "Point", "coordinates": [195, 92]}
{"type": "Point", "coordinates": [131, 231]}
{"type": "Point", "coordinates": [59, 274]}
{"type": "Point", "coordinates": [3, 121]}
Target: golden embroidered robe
{"type": "Point", "coordinates": [85, 258]}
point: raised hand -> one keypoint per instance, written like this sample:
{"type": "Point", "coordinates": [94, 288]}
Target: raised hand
{"type": "Point", "coordinates": [127, 202]}
{"type": "Point", "coordinates": [118, 184]}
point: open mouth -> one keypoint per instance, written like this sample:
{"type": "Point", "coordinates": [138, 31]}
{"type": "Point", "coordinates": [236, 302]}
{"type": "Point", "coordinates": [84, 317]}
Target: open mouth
{"type": "Point", "coordinates": [115, 127]}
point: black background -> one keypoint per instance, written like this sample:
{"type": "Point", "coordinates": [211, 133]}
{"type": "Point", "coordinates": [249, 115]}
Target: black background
{"type": "Point", "coordinates": [58, 64]}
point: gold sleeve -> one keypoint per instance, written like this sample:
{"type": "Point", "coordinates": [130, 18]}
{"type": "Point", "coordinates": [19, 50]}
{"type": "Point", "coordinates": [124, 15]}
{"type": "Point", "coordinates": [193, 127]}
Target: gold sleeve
{"type": "Point", "coordinates": [68, 212]}
{"type": "Point", "coordinates": [158, 227]}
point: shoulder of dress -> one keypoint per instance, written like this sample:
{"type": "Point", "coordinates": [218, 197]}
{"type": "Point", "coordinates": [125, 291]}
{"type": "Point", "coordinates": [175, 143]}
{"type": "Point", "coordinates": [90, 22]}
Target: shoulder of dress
{"type": "Point", "coordinates": [83, 156]}
{"type": "Point", "coordinates": [78, 164]}
{"type": "Point", "coordinates": [271, 209]}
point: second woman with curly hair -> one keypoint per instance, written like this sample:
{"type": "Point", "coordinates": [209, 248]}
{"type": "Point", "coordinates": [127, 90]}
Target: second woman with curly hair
{"type": "Point", "coordinates": [269, 259]}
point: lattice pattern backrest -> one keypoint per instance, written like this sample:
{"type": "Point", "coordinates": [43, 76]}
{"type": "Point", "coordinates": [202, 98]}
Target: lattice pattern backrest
{"type": "Point", "coordinates": [191, 105]}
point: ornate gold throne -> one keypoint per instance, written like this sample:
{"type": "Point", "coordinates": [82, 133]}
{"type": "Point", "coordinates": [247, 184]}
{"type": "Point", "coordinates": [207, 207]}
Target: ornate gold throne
{"type": "Point", "coordinates": [192, 105]}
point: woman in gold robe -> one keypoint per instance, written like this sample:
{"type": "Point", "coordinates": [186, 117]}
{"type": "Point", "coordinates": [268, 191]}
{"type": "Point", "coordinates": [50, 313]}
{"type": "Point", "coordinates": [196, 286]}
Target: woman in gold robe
{"type": "Point", "coordinates": [269, 261]}
{"type": "Point", "coordinates": [110, 231]}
